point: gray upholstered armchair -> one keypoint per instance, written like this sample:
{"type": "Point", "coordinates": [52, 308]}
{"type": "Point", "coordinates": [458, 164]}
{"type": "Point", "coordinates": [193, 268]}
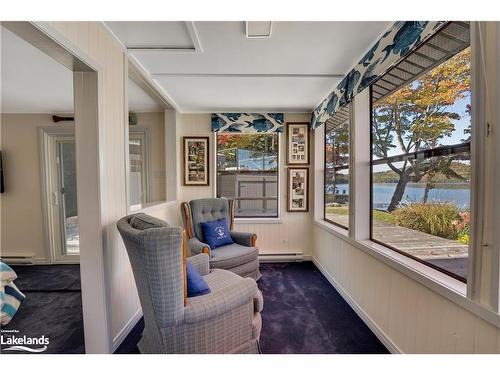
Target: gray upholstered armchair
{"type": "Point", "coordinates": [242, 257]}
{"type": "Point", "coordinates": [227, 320]}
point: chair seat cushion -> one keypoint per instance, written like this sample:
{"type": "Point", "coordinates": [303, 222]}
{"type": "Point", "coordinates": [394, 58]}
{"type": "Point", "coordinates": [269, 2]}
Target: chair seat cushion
{"type": "Point", "coordinates": [218, 279]}
{"type": "Point", "coordinates": [233, 255]}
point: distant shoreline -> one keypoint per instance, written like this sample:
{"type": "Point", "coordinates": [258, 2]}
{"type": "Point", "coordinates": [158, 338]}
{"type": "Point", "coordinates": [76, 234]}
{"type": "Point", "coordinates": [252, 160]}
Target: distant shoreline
{"type": "Point", "coordinates": [437, 185]}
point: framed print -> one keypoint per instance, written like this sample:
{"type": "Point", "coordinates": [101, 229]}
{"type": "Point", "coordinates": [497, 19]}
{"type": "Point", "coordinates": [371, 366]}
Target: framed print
{"type": "Point", "coordinates": [298, 189]}
{"type": "Point", "coordinates": [297, 143]}
{"type": "Point", "coordinates": [196, 161]}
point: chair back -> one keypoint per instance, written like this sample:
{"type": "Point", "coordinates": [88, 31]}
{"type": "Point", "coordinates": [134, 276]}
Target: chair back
{"type": "Point", "coordinates": [155, 252]}
{"type": "Point", "coordinates": [202, 210]}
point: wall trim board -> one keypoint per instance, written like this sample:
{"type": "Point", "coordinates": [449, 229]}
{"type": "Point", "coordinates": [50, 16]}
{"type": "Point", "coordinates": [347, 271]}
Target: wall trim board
{"type": "Point", "coordinates": [381, 335]}
{"type": "Point", "coordinates": [127, 328]}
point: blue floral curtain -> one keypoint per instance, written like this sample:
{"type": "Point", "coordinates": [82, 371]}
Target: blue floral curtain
{"type": "Point", "coordinates": [395, 44]}
{"type": "Point", "coordinates": [247, 122]}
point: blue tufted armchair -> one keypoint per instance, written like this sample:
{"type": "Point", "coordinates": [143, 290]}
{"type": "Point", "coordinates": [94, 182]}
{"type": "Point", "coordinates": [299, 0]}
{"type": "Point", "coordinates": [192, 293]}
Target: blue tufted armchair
{"type": "Point", "coordinates": [242, 257]}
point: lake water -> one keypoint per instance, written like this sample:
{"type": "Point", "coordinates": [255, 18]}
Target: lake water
{"type": "Point", "coordinates": [458, 194]}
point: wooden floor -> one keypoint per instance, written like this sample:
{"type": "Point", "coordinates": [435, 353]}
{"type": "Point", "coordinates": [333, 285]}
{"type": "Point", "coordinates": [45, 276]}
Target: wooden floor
{"type": "Point", "coordinates": [418, 244]}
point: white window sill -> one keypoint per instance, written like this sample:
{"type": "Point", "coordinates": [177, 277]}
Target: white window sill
{"type": "Point", "coordinates": [258, 220]}
{"type": "Point", "coordinates": [439, 282]}
{"type": "Point", "coordinates": [151, 207]}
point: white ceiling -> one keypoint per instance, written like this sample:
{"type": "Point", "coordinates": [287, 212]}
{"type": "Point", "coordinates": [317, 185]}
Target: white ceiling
{"type": "Point", "coordinates": [139, 101]}
{"type": "Point", "coordinates": [202, 66]}
{"type": "Point", "coordinates": [32, 82]}
{"type": "Point", "coordinates": [212, 66]}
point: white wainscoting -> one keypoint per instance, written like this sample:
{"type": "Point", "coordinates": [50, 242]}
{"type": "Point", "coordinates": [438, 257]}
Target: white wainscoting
{"type": "Point", "coordinates": [407, 316]}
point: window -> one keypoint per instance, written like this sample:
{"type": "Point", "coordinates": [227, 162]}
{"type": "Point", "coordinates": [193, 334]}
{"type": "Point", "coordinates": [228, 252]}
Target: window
{"type": "Point", "coordinates": [247, 171]}
{"type": "Point", "coordinates": [421, 168]}
{"type": "Point", "coordinates": [337, 169]}
{"type": "Point", "coordinates": [146, 149]}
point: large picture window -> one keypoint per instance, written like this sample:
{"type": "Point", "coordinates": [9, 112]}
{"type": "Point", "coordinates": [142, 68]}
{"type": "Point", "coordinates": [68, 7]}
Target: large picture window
{"type": "Point", "coordinates": [421, 168]}
{"type": "Point", "coordinates": [336, 210]}
{"type": "Point", "coordinates": [247, 171]}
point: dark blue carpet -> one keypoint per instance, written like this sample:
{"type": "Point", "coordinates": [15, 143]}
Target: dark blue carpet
{"type": "Point", "coordinates": [302, 313]}
{"type": "Point", "coordinates": [53, 307]}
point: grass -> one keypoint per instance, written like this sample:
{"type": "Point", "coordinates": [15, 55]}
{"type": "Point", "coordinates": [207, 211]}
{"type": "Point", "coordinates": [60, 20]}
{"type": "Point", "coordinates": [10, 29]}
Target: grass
{"type": "Point", "coordinates": [337, 210]}
{"type": "Point", "coordinates": [437, 219]}
{"type": "Point", "coordinates": [385, 217]}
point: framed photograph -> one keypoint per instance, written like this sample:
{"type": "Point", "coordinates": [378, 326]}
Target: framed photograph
{"type": "Point", "coordinates": [298, 189]}
{"type": "Point", "coordinates": [297, 143]}
{"type": "Point", "coordinates": [196, 161]}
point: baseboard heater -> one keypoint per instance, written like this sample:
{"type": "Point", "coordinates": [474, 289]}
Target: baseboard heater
{"type": "Point", "coordinates": [17, 259]}
{"type": "Point", "coordinates": [281, 257]}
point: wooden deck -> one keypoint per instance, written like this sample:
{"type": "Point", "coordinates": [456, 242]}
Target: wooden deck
{"type": "Point", "coordinates": [418, 244]}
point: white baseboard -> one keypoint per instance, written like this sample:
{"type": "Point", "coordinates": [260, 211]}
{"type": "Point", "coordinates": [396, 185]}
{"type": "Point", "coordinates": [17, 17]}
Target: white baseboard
{"type": "Point", "coordinates": [381, 335]}
{"type": "Point", "coordinates": [126, 329]}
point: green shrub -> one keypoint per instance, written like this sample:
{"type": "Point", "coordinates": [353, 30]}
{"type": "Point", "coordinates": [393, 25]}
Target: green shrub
{"type": "Point", "coordinates": [434, 218]}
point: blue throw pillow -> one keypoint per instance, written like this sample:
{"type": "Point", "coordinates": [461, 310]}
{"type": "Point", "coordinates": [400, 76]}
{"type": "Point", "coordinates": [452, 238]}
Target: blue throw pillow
{"type": "Point", "coordinates": [196, 285]}
{"type": "Point", "coordinates": [216, 233]}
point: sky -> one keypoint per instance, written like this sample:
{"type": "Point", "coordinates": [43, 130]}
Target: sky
{"type": "Point", "coordinates": [456, 137]}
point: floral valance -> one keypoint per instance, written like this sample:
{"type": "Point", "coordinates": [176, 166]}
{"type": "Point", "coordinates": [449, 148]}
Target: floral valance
{"type": "Point", "coordinates": [247, 122]}
{"type": "Point", "coordinates": [395, 44]}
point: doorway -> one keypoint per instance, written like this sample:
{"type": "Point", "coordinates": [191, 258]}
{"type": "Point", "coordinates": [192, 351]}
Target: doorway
{"type": "Point", "coordinates": [60, 189]}
{"type": "Point", "coordinates": [86, 92]}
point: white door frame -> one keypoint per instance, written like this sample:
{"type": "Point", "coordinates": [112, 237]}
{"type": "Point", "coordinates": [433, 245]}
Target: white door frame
{"type": "Point", "coordinates": [54, 235]}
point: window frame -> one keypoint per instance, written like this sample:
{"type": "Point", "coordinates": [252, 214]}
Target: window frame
{"type": "Point", "coordinates": [473, 180]}
{"type": "Point", "coordinates": [135, 72]}
{"type": "Point", "coordinates": [252, 218]}
{"type": "Point", "coordinates": [349, 168]}
{"type": "Point", "coordinates": [446, 272]}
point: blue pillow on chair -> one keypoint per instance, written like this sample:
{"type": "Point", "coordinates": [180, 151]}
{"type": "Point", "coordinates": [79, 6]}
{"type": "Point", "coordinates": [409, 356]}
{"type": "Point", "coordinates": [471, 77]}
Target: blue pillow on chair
{"type": "Point", "coordinates": [216, 233]}
{"type": "Point", "coordinates": [196, 285]}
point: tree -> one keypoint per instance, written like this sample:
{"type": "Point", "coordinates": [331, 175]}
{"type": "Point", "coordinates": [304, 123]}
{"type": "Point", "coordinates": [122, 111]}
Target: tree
{"type": "Point", "coordinates": [417, 117]}
{"type": "Point", "coordinates": [259, 145]}
{"type": "Point", "coordinates": [337, 155]}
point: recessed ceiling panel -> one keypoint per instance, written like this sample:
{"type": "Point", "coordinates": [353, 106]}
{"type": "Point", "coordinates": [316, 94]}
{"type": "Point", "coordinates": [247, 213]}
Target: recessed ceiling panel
{"type": "Point", "coordinates": [172, 34]}
{"type": "Point", "coordinates": [259, 29]}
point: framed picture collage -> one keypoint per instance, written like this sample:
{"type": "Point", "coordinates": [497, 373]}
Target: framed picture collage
{"type": "Point", "coordinates": [297, 158]}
